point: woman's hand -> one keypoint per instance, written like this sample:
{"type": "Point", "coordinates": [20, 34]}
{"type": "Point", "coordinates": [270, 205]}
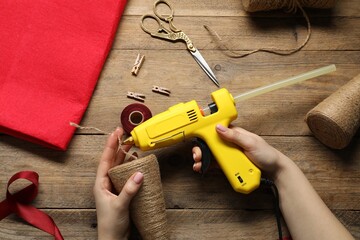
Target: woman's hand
{"type": "Point", "coordinates": [113, 210]}
{"type": "Point", "coordinates": [254, 147]}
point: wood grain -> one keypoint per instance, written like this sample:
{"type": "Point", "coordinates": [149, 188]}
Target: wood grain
{"type": "Point", "coordinates": [205, 207]}
{"type": "Point", "coordinates": [183, 224]}
{"type": "Point", "coordinates": [246, 33]}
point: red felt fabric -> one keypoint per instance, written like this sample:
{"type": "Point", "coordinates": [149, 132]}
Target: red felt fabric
{"type": "Point", "coordinates": [51, 56]}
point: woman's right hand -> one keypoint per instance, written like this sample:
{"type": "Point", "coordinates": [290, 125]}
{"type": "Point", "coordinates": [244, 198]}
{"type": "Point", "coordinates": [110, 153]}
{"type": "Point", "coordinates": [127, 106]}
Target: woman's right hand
{"type": "Point", "coordinates": [301, 206]}
{"type": "Point", "coordinates": [254, 147]}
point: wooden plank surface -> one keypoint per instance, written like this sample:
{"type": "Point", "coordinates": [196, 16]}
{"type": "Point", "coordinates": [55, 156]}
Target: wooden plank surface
{"type": "Point", "coordinates": [183, 224]}
{"type": "Point", "coordinates": [206, 207]}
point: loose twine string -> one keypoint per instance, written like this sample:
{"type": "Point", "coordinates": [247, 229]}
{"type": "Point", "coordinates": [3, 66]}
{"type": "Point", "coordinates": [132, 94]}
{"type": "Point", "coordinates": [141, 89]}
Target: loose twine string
{"type": "Point", "coordinates": [291, 6]}
{"type": "Point", "coordinates": [120, 148]}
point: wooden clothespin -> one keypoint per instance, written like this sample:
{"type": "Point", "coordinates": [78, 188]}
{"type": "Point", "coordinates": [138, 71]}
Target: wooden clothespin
{"type": "Point", "coordinates": [137, 65]}
{"type": "Point", "coordinates": [161, 90]}
{"type": "Point", "coordinates": [137, 96]}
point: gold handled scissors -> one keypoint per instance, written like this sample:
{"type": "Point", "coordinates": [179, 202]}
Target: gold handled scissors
{"type": "Point", "coordinates": [174, 34]}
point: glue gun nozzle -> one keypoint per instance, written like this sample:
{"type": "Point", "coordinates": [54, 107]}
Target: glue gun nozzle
{"type": "Point", "coordinates": [128, 141]}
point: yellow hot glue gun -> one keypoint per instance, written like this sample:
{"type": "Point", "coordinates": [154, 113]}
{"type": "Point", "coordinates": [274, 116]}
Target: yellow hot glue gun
{"type": "Point", "coordinates": [187, 120]}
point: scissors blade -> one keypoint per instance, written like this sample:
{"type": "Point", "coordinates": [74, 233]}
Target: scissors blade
{"type": "Point", "coordinates": [202, 63]}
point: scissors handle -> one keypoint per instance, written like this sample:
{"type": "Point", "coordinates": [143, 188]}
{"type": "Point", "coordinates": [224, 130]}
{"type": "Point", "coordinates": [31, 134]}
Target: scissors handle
{"type": "Point", "coordinates": [166, 17]}
{"type": "Point", "coordinates": [164, 33]}
{"type": "Point", "coordinates": [160, 27]}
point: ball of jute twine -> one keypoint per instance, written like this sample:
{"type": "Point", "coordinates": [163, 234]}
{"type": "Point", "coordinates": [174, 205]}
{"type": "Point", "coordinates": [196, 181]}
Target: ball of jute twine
{"type": "Point", "coordinates": [335, 120]}
{"type": "Point", "coordinates": [290, 5]}
{"type": "Point", "coordinates": [147, 208]}
{"type": "Point", "coordinates": [267, 5]}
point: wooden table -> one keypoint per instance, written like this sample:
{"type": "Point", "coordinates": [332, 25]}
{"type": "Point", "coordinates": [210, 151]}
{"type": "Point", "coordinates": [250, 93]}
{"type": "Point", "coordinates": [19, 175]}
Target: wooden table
{"type": "Point", "coordinates": [206, 207]}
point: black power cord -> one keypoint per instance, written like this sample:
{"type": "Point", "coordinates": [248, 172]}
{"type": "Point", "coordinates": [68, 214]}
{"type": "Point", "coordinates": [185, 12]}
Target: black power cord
{"type": "Point", "coordinates": [270, 183]}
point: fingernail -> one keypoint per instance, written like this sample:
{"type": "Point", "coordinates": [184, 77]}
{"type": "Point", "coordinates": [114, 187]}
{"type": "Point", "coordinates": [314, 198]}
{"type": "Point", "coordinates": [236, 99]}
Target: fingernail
{"type": "Point", "coordinates": [221, 128]}
{"type": "Point", "coordinates": [138, 177]}
{"type": "Point", "coordinates": [196, 167]}
{"type": "Point", "coordinates": [194, 156]}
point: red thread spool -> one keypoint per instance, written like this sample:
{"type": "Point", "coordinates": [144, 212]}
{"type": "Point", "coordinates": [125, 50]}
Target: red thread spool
{"type": "Point", "coordinates": [133, 115]}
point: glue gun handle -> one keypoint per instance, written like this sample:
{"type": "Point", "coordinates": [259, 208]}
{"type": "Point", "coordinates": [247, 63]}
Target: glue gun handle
{"type": "Point", "coordinates": [242, 174]}
{"type": "Point", "coordinates": [206, 156]}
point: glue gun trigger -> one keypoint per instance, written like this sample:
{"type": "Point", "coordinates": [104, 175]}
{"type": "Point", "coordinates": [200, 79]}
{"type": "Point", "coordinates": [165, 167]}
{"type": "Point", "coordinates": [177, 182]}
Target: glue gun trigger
{"type": "Point", "coordinates": [207, 156]}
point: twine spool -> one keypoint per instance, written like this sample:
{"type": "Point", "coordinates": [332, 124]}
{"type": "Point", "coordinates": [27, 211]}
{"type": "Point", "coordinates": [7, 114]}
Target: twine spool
{"type": "Point", "coordinates": [147, 208]}
{"type": "Point", "coordinates": [267, 5]}
{"type": "Point", "coordinates": [336, 119]}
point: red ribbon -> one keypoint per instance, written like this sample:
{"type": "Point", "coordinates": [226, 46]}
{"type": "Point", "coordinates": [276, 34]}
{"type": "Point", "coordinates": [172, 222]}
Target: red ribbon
{"type": "Point", "coordinates": [127, 113]}
{"type": "Point", "coordinates": [19, 203]}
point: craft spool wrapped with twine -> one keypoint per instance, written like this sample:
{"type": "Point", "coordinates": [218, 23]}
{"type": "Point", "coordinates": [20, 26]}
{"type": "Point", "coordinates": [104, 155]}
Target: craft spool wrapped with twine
{"type": "Point", "coordinates": [267, 5]}
{"type": "Point", "coordinates": [147, 208]}
{"type": "Point", "coordinates": [336, 119]}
